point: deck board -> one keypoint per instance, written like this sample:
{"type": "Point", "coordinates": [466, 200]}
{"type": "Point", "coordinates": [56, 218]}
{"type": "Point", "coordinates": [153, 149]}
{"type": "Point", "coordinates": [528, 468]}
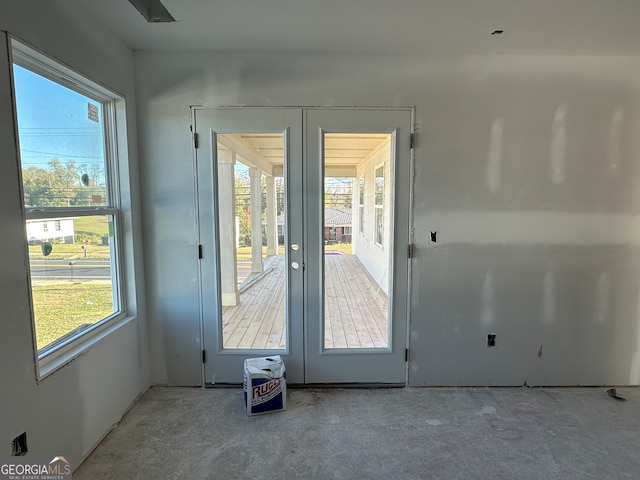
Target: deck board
{"type": "Point", "coordinates": [355, 309]}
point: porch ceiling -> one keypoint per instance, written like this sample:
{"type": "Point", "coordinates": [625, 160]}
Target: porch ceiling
{"type": "Point", "coordinates": [343, 151]}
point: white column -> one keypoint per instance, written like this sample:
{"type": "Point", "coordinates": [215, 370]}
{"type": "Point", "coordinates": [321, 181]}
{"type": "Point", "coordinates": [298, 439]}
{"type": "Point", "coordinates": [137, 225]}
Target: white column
{"type": "Point", "coordinates": [227, 224]}
{"type": "Point", "coordinates": [255, 175]}
{"type": "Point", "coordinates": [272, 230]}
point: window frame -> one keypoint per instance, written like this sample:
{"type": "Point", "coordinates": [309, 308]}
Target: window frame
{"type": "Point", "coordinates": [67, 347]}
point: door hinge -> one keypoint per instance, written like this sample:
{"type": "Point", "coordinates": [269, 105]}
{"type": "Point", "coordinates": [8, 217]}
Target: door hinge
{"type": "Point", "coordinates": [204, 356]}
{"type": "Point", "coordinates": [406, 354]}
{"type": "Point", "coordinates": [411, 250]}
{"type": "Point", "coordinates": [412, 140]}
{"type": "Point", "coordinates": [199, 252]}
{"type": "Point", "coordinates": [196, 142]}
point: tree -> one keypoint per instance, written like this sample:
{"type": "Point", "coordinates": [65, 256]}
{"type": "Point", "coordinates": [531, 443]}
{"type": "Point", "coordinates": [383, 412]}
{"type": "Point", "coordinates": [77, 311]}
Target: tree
{"type": "Point", "coordinates": [64, 181]}
{"type": "Point", "coordinates": [93, 185]}
{"type": "Point", "coordinates": [338, 193]}
{"type": "Point", "coordinates": [37, 192]}
{"type": "Point", "coordinates": [59, 185]}
{"type": "Point", "coordinates": [243, 206]}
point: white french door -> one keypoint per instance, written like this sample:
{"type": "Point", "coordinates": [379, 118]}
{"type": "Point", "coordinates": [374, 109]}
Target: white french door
{"type": "Point", "coordinates": [304, 227]}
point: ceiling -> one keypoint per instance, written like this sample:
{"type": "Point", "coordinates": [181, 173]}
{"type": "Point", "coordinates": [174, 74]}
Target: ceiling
{"type": "Point", "coordinates": [602, 27]}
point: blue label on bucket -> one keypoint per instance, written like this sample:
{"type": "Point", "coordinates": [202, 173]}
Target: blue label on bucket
{"type": "Point", "coordinates": [266, 395]}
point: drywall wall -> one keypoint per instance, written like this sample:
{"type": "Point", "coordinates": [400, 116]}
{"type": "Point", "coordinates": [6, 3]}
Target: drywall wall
{"type": "Point", "coordinates": [526, 166]}
{"type": "Point", "coordinates": [68, 412]}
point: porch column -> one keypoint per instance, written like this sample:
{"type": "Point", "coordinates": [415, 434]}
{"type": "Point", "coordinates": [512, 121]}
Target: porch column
{"type": "Point", "coordinates": [272, 230]}
{"type": "Point", "coordinates": [255, 175]}
{"type": "Point", "coordinates": [227, 225]}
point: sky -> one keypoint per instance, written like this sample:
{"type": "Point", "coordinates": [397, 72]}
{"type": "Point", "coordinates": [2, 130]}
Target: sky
{"type": "Point", "coordinates": [53, 123]}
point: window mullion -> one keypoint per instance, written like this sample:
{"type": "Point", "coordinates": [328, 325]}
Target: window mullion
{"type": "Point", "coordinates": [41, 213]}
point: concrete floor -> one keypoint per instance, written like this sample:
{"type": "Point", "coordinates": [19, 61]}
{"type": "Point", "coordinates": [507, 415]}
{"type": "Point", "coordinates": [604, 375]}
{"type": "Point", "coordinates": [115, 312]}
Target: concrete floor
{"type": "Point", "coordinates": [496, 433]}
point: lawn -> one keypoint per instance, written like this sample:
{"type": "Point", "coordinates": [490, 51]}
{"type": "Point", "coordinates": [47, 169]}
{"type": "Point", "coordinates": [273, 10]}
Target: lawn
{"type": "Point", "coordinates": [70, 251]}
{"type": "Point", "coordinates": [96, 225]}
{"type": "Point", "coordinates": [62, 306]}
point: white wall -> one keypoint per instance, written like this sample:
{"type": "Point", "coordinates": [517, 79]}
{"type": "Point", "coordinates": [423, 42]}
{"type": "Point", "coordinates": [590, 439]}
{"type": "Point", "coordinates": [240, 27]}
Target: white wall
{"type": "Point", "coordinates": [68, 412]}
{"type": "Point", "coordinates": [375, 258]}
{"type": "Point", "coordinates": [527, 166]}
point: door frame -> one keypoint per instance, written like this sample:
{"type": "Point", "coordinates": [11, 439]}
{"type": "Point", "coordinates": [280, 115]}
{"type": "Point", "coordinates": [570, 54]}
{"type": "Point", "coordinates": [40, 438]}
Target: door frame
{"type": "Point", "coordinates": [375, 366]}
{"type": "Point", "coordinates": [218, 363]}
{"type": "Point", "coordinates": [205, 212]}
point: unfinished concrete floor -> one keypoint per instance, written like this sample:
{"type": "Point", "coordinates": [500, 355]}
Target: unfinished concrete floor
{"type": "Point", "coordinates": [497, 433]}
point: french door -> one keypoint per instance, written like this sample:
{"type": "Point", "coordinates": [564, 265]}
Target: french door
{"type": "Point", "coordinates": [304, 226]}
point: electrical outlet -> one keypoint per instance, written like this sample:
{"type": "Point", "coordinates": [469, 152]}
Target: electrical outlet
{"type": "Point", "coordinates": [19, 445]}
{"type": "Point", "coordinates": [491, 340]}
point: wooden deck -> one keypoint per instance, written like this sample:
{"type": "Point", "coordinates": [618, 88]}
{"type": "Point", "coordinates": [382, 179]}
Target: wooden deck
{"type": "Point", "coordinates": [355, 308]}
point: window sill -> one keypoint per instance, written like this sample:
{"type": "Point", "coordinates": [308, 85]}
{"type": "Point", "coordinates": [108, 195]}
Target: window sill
{"type": "Point", "coordinates": [55, 360]}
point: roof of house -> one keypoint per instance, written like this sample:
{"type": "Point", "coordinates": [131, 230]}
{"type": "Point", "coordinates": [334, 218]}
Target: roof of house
{"type": "Point", "coordinates": [333, 217]}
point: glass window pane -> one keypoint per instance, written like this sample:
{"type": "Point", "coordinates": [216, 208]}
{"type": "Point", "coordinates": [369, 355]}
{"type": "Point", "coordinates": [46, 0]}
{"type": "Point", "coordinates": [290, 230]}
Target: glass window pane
{"type": "Point", "coordinates": [61, 143]}
{"type": "Point", "coordinates": [379, 185]}
{"type": "Point", "coordinates": [361, 206]}
{"type": "Point", "coordinates": [379, 206]}
{"type": "Point", "coordinates": [251, 236]}
{"type": "Point", "coordinates": [356, 272]}
{"type": "Point", "coordinates": [71, 276]}
{"type": "Point", "coordinates": [379, 226]}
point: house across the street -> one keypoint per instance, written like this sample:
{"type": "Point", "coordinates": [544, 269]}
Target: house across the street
{"type": "Point", "coordinates": [50, 229]}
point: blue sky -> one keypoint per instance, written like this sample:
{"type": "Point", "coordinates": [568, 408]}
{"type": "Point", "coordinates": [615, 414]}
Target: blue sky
{"type": "Point", "coordinates": [53, 123]}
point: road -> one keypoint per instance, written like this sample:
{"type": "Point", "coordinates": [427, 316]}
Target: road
{"type": "Point", "coordinates": [70, 269]}
{"type": "Point", "coordinates": [92, 269]}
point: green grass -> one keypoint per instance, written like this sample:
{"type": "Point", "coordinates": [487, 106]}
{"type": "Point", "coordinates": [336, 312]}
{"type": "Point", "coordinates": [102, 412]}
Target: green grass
{"type": "Point", "coordinates": [60, 307]}
{"type": "Point", "coordinates": [70, 251]}
{"type": "Point", "coordinates": [91, 226]}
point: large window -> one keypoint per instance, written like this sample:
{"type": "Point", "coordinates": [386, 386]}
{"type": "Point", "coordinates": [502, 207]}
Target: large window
{"type": "Point", "coordinates": [379, 206]}
{"type": "Point", "coordinates": [67, 136]}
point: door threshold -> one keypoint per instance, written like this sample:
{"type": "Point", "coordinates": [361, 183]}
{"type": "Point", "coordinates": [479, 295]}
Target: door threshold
{"type": "Point", "coordinates": [316, 385]}
{"type": "Point", "coordinates": [347, 385]}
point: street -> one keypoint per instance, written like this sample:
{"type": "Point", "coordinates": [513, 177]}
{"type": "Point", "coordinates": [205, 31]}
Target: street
{"type": "Point", "coordinates": [70, 269]}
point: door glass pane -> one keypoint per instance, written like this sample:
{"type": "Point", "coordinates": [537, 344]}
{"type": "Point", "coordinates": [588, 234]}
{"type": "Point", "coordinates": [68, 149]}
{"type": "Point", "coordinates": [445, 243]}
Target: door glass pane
{"type": "Point", "coordinates": [356, 267]}
{"type": "Point", "coordinates": [251, 238]}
